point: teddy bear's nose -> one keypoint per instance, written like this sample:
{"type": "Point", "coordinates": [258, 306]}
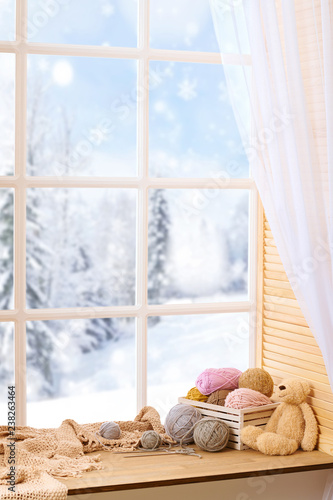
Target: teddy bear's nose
{"type": "Point", "coordinates": [282, 387]}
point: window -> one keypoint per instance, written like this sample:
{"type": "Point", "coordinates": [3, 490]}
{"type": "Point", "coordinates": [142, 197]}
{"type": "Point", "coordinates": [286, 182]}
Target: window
{"type": "Point", "coordinates": [128, 215]}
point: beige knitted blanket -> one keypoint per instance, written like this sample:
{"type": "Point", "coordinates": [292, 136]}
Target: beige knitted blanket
{"type": "Point", "coordinates": [41, 455]}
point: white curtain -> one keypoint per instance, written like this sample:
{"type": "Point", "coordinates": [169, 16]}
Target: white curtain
{"type": "Point", "coordinates": [289, 138]}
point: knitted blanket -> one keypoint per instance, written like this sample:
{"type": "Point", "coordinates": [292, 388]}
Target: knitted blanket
{"type": "Point", "coordinates": [41, 455]}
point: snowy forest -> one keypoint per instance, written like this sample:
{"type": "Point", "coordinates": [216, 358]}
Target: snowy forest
{"type": "Point", "coordinates": [81, 243]}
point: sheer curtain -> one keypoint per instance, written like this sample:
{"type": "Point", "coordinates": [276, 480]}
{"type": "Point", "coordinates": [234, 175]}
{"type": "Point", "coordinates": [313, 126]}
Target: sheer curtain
{"type": "Point", "coordinates": [289, 139]}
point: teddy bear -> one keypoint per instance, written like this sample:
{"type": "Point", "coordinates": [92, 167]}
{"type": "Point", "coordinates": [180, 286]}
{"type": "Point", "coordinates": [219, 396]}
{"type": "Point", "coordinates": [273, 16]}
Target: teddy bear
{"type": "Point", "coordinates": [292, 424]}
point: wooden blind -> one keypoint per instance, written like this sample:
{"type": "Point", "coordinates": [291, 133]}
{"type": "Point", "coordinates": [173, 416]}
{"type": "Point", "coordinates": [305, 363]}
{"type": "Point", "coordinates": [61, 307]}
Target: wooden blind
{"type": "Point", "coordinates": [286, 346]}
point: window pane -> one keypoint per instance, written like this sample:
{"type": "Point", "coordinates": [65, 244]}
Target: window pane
{"type": "Point", "coordinates": [6, 248]}
{"type": "Point", "coordinates": [193, 132]}
{"type": "Point", "coordinates": [81, 246]}
{"type": "Point", "coordinates": [98, 22]}
{"type": "Point", "coordinates": [182, 25]}
{"type": "Point", "coordinates": [81, 116]}
{"type": "Point", "coordinates": [7, 376]}
{"type": "Point", "coordinates": [181, 347]}
{"type": "Point", "coordinates": [198, 245]}
{"type": "Point", "coordinates": [7, 114]}
{"type": "Point", "coordinates": [80, 369]}
{"type": "Point", "coordinates": [7, 20]}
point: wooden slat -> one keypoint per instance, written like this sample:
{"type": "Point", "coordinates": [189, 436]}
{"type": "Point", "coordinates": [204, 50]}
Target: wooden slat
{"type": "Point", "coordinates": [275, 291]}
{"type": "Point", "coordinates": [285, 371]}
{"type": "Point", "coordinates": [324, 414]}
{"type": "Point", "coordinates": [301, 352]}
{"type": "Point", "coordinates": [279, 308]}
{"type": "Point", "coordinates": [321, 404]}
{"type": "Point", "coordinates": [285, 318]}
{"type": "Point", "coordinates": [281, 285]}
{"type": "Point", "coordinates": [274, 267]}
{"type": "Point", "coordinates": [296, 363]}
{"type": "Point", "coordinates": [283, 325]}
{"type": "Point", "coordinates": [271, 250]}
{"type": "Point", "coordinates": [272, 259]}
{"type": "Point", "coordinates": [275, 275]}
{"type": "Point", "coordinates": [288, 341]}
{"type": "Point", "coordinates": [281, 300]}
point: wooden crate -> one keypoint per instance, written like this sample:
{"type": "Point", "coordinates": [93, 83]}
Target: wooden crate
{"type": "Point", "coordinates": [236, 419]}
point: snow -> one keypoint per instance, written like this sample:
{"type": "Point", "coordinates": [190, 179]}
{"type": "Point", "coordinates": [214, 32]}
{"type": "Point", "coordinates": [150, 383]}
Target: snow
{"type": "Point", "coordinates": [100, 385]}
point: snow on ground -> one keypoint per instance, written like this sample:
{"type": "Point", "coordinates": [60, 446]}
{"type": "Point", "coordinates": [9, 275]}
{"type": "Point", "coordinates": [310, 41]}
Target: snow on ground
{"type": "Point", "coordinates": [100, 385]}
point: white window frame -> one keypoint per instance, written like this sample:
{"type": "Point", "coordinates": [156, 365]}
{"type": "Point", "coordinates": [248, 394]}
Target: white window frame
{"type": "Point", "coordinates": [20, 181]}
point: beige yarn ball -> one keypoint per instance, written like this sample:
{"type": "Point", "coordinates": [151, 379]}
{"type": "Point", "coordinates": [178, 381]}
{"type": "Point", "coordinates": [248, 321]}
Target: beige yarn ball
{"type": "Point", "coordinates": [150, 440]}
{"type": "Point", "coordinates": [257, 379]}
{"type": "Point", "coordinates": [211, 434]}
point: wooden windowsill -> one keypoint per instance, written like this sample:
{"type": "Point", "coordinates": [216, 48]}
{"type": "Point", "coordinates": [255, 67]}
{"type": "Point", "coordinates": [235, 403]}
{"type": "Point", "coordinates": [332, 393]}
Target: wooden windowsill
{"type": "Point", "coordinates": [121, 473]}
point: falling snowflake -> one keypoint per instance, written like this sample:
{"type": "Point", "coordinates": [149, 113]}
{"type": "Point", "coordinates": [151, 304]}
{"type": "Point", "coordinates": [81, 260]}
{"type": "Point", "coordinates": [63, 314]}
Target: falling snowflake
{"type": "Point", "coordinates": [187, 90]}
{"type": "Point", "coordinates": [107, 9]}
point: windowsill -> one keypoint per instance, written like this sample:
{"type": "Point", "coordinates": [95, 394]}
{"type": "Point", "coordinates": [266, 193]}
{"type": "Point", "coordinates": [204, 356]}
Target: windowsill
{"type": "Point", "coordinates": [121, 473]}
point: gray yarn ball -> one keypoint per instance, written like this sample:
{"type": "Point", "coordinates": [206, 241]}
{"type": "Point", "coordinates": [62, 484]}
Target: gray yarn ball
{"type": "Point", "coordinates": [180, 420]}
{"type": "Point", "coordinates": [150, 440]}
{"type": "Point", "coordinates": [211, 434]}
{"type": "Point", "coordinates": [110, 430]}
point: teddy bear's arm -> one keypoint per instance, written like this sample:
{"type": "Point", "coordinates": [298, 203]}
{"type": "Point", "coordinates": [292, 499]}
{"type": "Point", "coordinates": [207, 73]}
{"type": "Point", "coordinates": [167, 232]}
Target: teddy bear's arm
{"type": "Point", "coordinates": [272, 423]}
{"type": "Point", "coordinates": [311, 428]}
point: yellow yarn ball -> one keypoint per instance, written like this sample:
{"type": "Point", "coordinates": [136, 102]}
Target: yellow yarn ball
{"type": "Point", "coordinates": [196, 395]}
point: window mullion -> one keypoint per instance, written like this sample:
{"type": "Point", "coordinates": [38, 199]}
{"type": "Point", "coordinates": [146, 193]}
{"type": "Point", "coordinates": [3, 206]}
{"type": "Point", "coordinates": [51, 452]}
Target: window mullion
{"type": "Point", "coordinates": [142, 237]}
{"type": "Point", "coordinates": [20, 212]}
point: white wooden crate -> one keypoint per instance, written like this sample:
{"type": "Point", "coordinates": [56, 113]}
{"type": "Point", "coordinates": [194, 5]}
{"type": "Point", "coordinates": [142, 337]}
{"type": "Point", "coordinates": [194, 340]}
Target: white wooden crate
{"type": "Point", "coordinates": [236, 419]}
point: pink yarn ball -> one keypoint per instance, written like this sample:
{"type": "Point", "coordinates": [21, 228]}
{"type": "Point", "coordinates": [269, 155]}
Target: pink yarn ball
{"type": "Point", "coordinates": [246, 398]}
{"type": "Point", "coordinates": [213, 379]}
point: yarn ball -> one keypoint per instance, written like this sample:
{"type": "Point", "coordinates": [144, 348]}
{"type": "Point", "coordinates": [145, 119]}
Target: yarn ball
{"type": "Point", "coordinates": [211, 434]}
{"type": "Point", "coordinates": [150, 440]}
{"type": "Point", "coordinates": [218, 397]}
{"type": "Point", "coordinates": [258, 380]}
{"type": "Point", "coordinates": [110, 430]}
{"type": "Point", "coordinates": [196, 395]}
{"type": "Point", "coordinates": [246, 398]}
{"type": "Point", "coordinates": [213, 379]}
{"type": "Point", "coordinates": [180, 421]}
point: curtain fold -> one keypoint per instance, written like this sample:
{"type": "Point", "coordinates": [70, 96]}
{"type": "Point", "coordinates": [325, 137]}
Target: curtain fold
{"type": "Point", "coordinates": [284, 111]}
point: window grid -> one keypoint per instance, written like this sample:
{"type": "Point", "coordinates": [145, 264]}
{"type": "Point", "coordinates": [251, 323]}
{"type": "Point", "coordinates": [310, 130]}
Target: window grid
{"type": "Point", "coordinates": [21, 182]}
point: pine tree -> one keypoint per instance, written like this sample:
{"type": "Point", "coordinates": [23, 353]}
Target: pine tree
{"type": "Point", "coordinates": [158, 241]}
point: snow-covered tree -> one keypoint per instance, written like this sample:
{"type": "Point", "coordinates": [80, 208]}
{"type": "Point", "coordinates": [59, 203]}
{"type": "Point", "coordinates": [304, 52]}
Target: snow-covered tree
{"type": "Point", "coordinates": [158, 241]}
{"type": "Point", "coordinates": [39, 254]}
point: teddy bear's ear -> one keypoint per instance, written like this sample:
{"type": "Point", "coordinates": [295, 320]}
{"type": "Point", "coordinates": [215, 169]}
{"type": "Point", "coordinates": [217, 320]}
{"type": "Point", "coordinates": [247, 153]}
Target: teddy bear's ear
{"type": "Point", "coordinates": [306, 387]}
